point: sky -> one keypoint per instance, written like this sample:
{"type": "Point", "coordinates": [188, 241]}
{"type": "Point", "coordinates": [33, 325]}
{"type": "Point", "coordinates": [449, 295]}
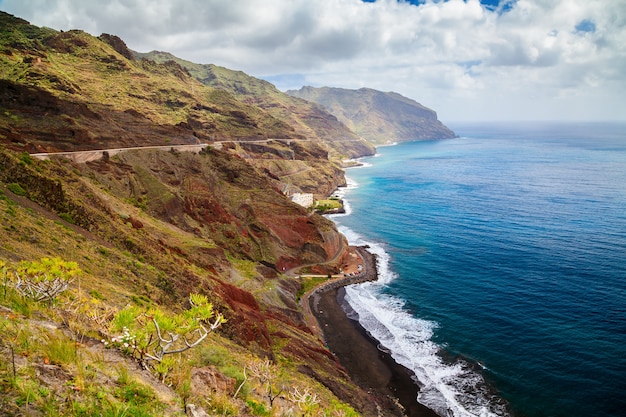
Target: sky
{"type": "Point", "coordinates": [468, 60]}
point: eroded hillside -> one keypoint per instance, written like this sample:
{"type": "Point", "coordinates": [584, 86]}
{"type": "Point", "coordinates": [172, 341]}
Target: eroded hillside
{"type": "Point", "coordinates": [154, 252]}
{"type": "Point", "coordinates": [149, 228]}
{"type": "Point", "coordinates": [67, 91]}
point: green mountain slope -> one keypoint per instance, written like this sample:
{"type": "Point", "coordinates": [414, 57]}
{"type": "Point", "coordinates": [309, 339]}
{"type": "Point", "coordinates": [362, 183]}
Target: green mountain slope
{"type": "Point", "coordinates": [82, 84]}
{"type": "Point", "coordinates": [376, 116]}
{"type": "Point", "coordinates": [148, 228]}
{"type": "Point", "coordinates": [307, 119]}
{"type": "Point", "coordinates": [68, 91]}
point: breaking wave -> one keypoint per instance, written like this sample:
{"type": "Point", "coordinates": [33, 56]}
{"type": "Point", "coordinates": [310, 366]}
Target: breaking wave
{"type": "Point", "coordinates": [454, 389]}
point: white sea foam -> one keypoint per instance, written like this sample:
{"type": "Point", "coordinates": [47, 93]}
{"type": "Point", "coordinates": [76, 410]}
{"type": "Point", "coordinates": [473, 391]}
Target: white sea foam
{"type": "Point", "coordinates": [386, 144]}
{"type": "Point", "coordinates": [450, 389]}
{"type": "Point", "coordinates": [341, 192]}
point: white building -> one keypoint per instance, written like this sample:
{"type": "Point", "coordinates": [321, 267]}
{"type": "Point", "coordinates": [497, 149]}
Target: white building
{"type": "Point", "coordinates": [305, 200]}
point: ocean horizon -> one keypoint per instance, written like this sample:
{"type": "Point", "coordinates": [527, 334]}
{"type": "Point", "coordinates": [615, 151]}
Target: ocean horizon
{"type": "Point", "coordinates": [502, 266]}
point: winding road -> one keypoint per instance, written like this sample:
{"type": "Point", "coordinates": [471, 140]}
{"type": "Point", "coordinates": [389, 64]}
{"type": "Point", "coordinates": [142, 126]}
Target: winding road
{"type": "Point", "coordinates": [367, 273]}
{"type": "Point", "coordinates": [308, 301]}
{"type": "Point", "coordinates": [96, 154]}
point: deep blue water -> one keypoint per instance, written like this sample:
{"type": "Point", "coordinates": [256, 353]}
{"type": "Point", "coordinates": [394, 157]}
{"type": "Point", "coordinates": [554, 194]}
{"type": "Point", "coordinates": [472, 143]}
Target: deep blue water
{"type": "Point", "coordinates": [502, 258]}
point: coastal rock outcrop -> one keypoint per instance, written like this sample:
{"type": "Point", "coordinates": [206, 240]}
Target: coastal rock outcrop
{"type": "Point", "coordinates": [379, 117]}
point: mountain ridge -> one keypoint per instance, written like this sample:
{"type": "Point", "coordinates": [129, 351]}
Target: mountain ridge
{"type": "Point", "coordinates": [308, 119]}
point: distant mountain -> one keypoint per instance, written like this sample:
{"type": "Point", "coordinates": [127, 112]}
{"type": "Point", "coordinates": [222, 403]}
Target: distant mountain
{"type": "Point", "coordinates": [376, 116]}
{"type": "Point", "coordinates": [308, 119]}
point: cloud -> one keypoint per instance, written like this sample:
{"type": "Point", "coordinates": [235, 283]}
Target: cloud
{"type": "Point", "coordinates": [451, 55]}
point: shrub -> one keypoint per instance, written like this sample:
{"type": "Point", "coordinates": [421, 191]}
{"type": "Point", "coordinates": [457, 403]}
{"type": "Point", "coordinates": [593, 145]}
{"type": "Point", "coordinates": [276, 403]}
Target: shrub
{"type": "Point", "coordinates": [26, 159]}
{"type": "Point", "coordinates": [67, 217]}
{"type": "Point", "coordinates": [16, 189]}
{"type": "Point", "coordinates": [43, 280]}
{"type": "Point", "coordinates": [150, 335]}
{"type": "Point", "coordinates": [258, 409]}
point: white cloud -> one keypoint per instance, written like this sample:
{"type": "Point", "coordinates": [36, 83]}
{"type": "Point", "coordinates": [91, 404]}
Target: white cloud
{"type": "Point", "coordinates": [540, 59]}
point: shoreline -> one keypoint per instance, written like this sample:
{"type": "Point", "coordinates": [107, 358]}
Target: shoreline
{"type": "Point", "coordinates": [392, 384]}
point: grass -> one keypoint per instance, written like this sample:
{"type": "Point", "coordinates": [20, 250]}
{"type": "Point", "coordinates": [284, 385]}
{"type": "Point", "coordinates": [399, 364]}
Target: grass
{"type": "Point", "coordinates": [308, 283]}
{"type": "Point", "coordinates": [160, 261]}
{"type": "Point", "coordinates": [246, 268]}
{"type": "Point", "coordinates": [61, 350]}
{"type": "Point", "coordinates": [328, 205]}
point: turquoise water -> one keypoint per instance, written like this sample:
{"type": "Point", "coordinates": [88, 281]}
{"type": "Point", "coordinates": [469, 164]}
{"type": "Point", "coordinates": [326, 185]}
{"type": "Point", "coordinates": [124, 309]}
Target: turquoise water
{"type": "Point", "coordinates": [502, 258]}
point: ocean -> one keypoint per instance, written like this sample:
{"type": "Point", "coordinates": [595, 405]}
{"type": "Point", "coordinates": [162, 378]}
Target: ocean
{"type": "Point", "coordinates": [502, 266]}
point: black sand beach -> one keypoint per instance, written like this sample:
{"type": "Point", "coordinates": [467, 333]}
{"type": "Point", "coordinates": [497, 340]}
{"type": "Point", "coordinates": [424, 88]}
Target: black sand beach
{"type": "Point", "coordinates": [369, 367]}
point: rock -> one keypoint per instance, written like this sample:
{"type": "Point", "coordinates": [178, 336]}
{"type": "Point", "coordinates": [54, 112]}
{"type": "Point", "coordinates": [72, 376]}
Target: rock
{"type": "Point", "coordinates": [209, 379]}
{"type": "Point", "coordinates": [136, 223]}
{"type": "Point", "coordinates": [118, 44]}
{"type": "Point", "coordinates": [195, 411]}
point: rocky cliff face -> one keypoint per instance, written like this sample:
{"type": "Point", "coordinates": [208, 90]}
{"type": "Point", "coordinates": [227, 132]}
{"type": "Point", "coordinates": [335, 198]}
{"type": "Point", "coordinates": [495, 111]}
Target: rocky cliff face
{"type": "Point", "coordinates": [376, 116]}
{"type": "Point", "coordinates": [148, 227]}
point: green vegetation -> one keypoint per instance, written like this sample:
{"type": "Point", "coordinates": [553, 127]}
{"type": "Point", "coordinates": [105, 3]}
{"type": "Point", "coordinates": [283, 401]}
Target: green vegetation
{"type": "Point", "coordinates": [308, 283]}
{"type": "Point", "coordinates": [151, 335]}
{"type": "Point", "coordinates": [44, 367]}
{"type": "Point", "coordinates": [247, 268]}
{"type": "Point", "coordinates": [331, 204]}
{"type": "Point", "coordinates": [153, 236]}
{"type": "Point", "coordinates": [16, 189]}
{"type": "Point", "coordinates": [43, 280]}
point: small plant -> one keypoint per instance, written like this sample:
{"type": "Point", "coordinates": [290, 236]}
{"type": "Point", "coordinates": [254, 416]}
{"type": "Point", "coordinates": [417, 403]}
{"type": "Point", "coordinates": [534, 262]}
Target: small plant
{"type": "Point", "coordinates": [133, 393]}
{"type": "Point", "coordinates": [61, 351]}
{"type": "Point", "coordinates": [45, 279]}
{"type": "Point", "coordinates": [67, 217]}
{"type": "Point", "coordinates": [152, 335]}
{"type": "Point", "coordinates": [267, 374]}
{"type": "Point", "coordinates": [258, 409]}
{"type": "Point", "coordinates": [28, 391]}
{"type": "Point", "coordinates": [222, 405]}
{"type": "Point", "coordinates": [26, 159]}
{"type": "Point", "coordinates": [95, 294]}
{"type": "Point", "coordinates": [16, 189]}
{"type": "Point", "coordinates": [307, 403]}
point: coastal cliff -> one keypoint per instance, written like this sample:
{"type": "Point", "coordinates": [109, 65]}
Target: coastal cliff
{"type": "Point", "coordinates": [152, 227]}
{"type": "Point", "coordinates": [379, 117]}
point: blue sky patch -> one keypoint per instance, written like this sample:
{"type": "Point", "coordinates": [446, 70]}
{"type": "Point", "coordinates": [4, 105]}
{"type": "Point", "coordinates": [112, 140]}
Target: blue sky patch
{"type": "Point", "coordinates": [490, 4]}
{"type": "Point", "coordinates": [287, 81]}
{"type": "Point", "coordinates": [586, 25]}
